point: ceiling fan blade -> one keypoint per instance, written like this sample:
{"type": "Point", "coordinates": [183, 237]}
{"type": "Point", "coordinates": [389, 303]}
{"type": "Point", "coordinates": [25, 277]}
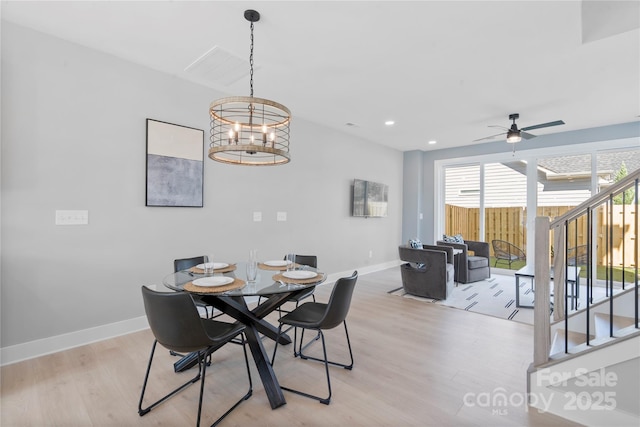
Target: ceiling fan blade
{"type": "Point", "coordinates": [489, 137]}
{"type": "Point", "coordinates": [526, 135]}
{"type": "Point", "coordinates": [498, 126]}
{"type": "Point", "coordinates": [544, 125]}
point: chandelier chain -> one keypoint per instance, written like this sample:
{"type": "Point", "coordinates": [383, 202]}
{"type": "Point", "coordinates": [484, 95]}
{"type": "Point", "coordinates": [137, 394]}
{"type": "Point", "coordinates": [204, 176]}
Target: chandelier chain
{"type": "Point", "coordinates": [251, 62]}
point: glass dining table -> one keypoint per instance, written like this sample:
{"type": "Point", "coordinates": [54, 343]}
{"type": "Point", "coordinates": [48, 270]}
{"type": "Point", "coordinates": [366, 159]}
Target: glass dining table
{"type": "Point", "coordinates": [227, 291]}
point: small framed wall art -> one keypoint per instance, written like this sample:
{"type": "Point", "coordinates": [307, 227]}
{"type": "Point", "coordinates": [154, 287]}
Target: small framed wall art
{"type": "Point", "coordinates": [175, 165]}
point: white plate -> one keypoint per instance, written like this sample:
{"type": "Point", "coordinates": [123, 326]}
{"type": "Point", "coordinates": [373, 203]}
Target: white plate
{"type": "Point", "coordinates": [216, 265]}
{"type": "Point", "coordinates": [299, 274]}
{"type": "Point", "coordinates": [210, 282]}
{"type": "Point", "coordinates": [276, 263]}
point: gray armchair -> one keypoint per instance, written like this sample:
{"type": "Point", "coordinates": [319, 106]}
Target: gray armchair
{"type": "Point", "coordinates": [427, 272]}
{"type": "Point", "coordinates": [471, 268]}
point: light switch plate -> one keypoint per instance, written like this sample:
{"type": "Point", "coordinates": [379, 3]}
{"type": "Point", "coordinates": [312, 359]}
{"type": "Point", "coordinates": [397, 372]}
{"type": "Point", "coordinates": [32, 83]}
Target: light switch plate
{"type": "Point", "coordinates": [257, 216]}
{"type": "Point", "coordinates": [78, 217]}
{"type": "Point", "coordinates": [281, 216]}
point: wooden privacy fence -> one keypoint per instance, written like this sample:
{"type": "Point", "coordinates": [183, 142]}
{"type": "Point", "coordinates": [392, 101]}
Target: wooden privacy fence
{"type": "Point", "coordinates": [509, 224]}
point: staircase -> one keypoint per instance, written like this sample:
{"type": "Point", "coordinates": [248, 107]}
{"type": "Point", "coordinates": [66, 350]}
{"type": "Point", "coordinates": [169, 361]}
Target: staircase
{"type": "Point", "coordinates": [586, 364]}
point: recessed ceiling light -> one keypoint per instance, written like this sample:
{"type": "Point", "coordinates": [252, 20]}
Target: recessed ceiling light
{"type": "Point", "coordinates": [389, 123]}
{"type": "Point", "coordinates": [433, 141]}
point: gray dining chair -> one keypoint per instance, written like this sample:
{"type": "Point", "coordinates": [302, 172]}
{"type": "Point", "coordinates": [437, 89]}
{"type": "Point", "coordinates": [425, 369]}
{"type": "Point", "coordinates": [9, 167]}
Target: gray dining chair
{"type": "Point", "coordinates": [318, 316]}
{"type": "Point", "coordinates": [185, 263]}
{"type": "Point", "coordinates": [308, 260]}
{"type": "Point", "coordinates": [177, 326]}
{"type": "Point", "coordinates": [311, 261]}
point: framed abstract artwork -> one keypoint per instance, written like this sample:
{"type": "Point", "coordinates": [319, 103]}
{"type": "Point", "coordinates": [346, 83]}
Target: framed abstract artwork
{"type": "Point", "coordinates": [175, 165]}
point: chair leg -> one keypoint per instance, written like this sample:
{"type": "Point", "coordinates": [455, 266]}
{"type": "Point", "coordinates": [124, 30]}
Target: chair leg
{"type": "Point", "coordinates": [295, 333]}
{"type": "Point", "coordinates": [142, 411]}
{"type": "Point", "coordinates": [243, 398]}
{"type": "Point", "coordinates": [325, 360]}
{"type": "Point", "coordinates": [275, 347]}
{"type": "Point", "coordinates": [202, 358]}
{"type": "Point", "coordinates": [342, 365]}
{"type": "Point", "coordinates": [326, 400]}
{"type": "Point", "coordinates": [297, 353]}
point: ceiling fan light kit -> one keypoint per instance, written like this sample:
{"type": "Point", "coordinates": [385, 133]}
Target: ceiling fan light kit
{"type": "Point", "coordinates": [513, 137]}
{"type": "Point", "coordinates": [246, 130]}
{"type": "Point", "coordinates": [513, 134]}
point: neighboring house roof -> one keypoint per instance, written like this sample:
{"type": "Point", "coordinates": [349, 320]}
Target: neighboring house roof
{"type": "Point", "coordinates": [581, 164]}
{"type": "Point", "coordinates": [562, 181]}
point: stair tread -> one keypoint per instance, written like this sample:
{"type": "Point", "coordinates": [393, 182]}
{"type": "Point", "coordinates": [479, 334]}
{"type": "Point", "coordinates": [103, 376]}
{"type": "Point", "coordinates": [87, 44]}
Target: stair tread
{"type": "Point", "coordinates": [575, 339]}
{"type": "Point", "coordinates": [558, 356]}
{"type": "Point", "coordinates": [601, 340]}
{"type": "Point", "coordinates": [578, 348]}
{"type": "Point", "coordinates": [625, 331]}
{"type": "Point", "coordinates": [602, 324]}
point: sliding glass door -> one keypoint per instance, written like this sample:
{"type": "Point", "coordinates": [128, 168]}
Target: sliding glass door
{"type": "Point", "coordinates": [505, 210]}
{"type": "Point", "coordinates": [491, 198]}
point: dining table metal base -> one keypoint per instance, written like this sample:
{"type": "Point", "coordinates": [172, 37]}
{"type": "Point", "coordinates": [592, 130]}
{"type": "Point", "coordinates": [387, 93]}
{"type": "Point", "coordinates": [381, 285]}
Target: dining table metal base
{"type": "Point", "coordinates": [232, 303]}
{"type": "Point", "coordinates": [236, 307]}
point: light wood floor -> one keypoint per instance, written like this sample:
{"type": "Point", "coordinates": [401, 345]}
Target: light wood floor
{"type": "Point", "coordinates": [414, 365]}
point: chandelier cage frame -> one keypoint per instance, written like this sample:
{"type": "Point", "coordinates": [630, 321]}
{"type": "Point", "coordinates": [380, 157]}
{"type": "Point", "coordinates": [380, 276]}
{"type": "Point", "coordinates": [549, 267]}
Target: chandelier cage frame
{"type": "Point", "coordinates": [246, 130]}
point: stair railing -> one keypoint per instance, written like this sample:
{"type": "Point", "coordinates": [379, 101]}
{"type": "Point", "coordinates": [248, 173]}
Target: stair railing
{"type": "Point", "coordinates": [570, 231]}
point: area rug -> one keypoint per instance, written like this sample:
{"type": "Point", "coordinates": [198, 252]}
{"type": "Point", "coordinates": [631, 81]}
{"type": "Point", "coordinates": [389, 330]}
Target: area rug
{"type": "Point", "coordinates": [493, 297]}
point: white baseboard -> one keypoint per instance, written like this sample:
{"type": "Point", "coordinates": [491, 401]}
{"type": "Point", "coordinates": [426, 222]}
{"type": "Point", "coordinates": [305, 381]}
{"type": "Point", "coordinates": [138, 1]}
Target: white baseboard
{"type": "Point", "coordinates": [363, 270]}
{"type": "Point", "coordinates": [29, 350]}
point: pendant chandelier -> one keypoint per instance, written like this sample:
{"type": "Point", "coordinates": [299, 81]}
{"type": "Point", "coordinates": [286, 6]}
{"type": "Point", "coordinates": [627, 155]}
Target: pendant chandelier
{"type": "Point", "coordinates": [247, 130]}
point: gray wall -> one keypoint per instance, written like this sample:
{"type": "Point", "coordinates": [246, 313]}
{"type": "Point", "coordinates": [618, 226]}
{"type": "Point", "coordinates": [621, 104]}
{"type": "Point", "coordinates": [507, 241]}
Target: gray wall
{"type": "Point", "coordinates": [412, 203]}
{"type": "Point", "coordinates": [73, 137]}
{"type": "Point", "coordinates": [422, 164]}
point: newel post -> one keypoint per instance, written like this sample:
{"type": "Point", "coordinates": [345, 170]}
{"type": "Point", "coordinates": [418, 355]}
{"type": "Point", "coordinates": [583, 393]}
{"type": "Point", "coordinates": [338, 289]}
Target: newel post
{"type": "Point", "coordinates": [542, 302]}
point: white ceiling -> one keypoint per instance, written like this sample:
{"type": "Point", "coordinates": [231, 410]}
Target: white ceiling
{"type": "Point", "coordinates": [443, 71]}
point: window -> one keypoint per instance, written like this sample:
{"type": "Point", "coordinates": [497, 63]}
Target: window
{"type": "Point", "coordinates": [462, 201]}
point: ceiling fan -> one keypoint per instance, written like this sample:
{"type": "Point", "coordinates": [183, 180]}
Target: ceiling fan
{"type": "Point", "coordinates": [514, 134]}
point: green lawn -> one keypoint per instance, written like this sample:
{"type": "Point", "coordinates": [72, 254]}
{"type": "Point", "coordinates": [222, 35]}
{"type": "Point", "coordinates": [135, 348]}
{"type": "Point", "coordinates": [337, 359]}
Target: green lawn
{"type": "Point", "coordinates": [516, 265]}
{"type": "Point", "coordinates": [629, 274]}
